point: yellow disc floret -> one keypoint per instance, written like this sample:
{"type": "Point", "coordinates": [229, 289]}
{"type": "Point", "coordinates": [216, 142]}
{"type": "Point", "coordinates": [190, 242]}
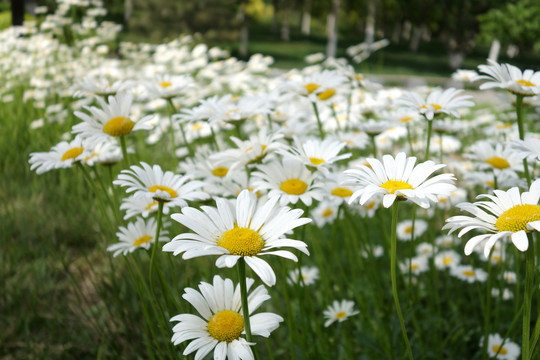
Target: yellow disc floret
{"type": "Point", "coordinates": [498, 162]}
{"type": "Point", "coordinates": [516, 218]}
{"type": "Point", "coordinates": [226, 325]}
{"type": "Point", "coordinates": [341, 192]}
{"type": "Point", "coordinates": [341, 315]}
{"type": "Point", "coordinates": [72, 153]}
{"type": "Point", "coordinates": [241, 241]}
{"type": "Point", "coordinates": [165, 84]}
{"type": "Point", "coordinates": [311, 87]}
{"type": "Point", "coordinates": [316, 161]}
{"type": "Point", "coordinates": [327, 94]}
{"type": "Point", "coordinates": [293, 186]}
{"type": "Point", "coordinates": [163, 188]}
{"type": "Point", "coordinates": [524, 82]}
{"type": "Point", "coordinates": [118, 126]}
{"type": "Point", "coordinates": [499, 349]}
{"type": "Point", "coordinates": [220, 171]}
{"type": "Point", "coordinates": [142, 240]}
{"type": "Point", "coordinates": [394, 185]}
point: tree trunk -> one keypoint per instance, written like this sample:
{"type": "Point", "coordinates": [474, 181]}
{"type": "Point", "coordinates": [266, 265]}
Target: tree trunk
{"type": "Point", "coordinates": [285, 24]}
{"type": "Point", "coordinates": [274, 23]}
{"type": "Point", "coordinates": [128, 9]}
{"type": "Point", "coordinates": [244, 31]}
{"type": "Point", "coordinates": [370, 22]}
{"type": "Point", "coordinates": [306, 18]}
{"type": "Point", "coordinates": [415, 38]}
{"type": "Point", "coordinates": [332, 30]}
{"type": "Point", "coordinates": [17, 12]}
{"type": "Point", "coordinates": [396, 33]}
{"type": "Point", "coordinates": [494, 50]}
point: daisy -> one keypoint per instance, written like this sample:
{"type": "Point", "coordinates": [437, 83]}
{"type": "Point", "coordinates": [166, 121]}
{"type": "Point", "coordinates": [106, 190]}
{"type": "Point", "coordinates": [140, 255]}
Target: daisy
{"type": "Point", "coordinates": [336, 192]}
{"type": "Point", "coordinates": [138, 234]}
{"type": "Point", "coordinates": [111, 120]}
{"type": "Point", "coordinates": [496, 157]}
{"type": "Point", "coordinates": [244, 228]}
{"type": "Point", "coordinates": [325, 213]}
{"type": "Point", "coordinates": [447, 259]}
{"type": "Point", "coordinates": [153, 183]}
{"type": "Point", "coordinates": [140, 205]}
{"type": "Point", "coordinates": [499, 350]}
{"type": "Point", "coordinates": [509, 77]}
{"type": "Point", "coordinates": [339, 311]}
{"type": "Point", "coordinates": [309, 275]}
{"type": "Point", "coordinates": [319, 86]}
{"type": "Point", "coordinates": [316, 153]}
{"type": "Point", "coordinates": [167, 87]}
{"type": "Point", "coordinates": [528, 148]}
{"type": "Point", "coordinates": [100, 86]}
{"type": "Point", "coordinates": [417, 265]}
{"type": "Point", "coordinates": [405, 229]}
{"type": "Point", "coordinates": [220, 325]}
{"type": "Point", "coordinates": [468, 273]}
{"type": "Point", "coordinates": [62, 155]}
{"type": "Point", "coordinates": [399, 179]}
{"type": "Point", "coordinates": [505, 214]}
{"type": "Point", "coordinates": [289, 181]}
{"type": "Point", "coordinates": [437, 102]}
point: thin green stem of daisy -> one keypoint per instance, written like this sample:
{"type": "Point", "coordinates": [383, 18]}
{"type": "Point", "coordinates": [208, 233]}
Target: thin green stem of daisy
{"type": "Point", "coordinates": [527, 300]}
{"type": "Point", "coordinates": [428, 141]}
{"type": "Point", "coordinates": [125, 160]}
{"type": "Point", "coordinates": [186, 143]}
{"type": "Point", "coordinates": [156, 240]}
{"type": "Point", "coordinates": [170, 110]}
{"type": "Point", "coordinates": [487, 314]}
{"type": "Point", "coordinates": [214, 137]}
{"type": "Point", "coordinates": [269, 121]}
{"type": "Point", "coordinates": [535, 336]}
{"type": "Point", "coordinates": [373, 145]}
{"type": "Point", "coordinates": [319, 123]}
{"type": "Point", "coordinates": [393, 262]}
{"type": "Point", "coordinates": [521, 129]}
{"type": "Point", "coordinates": [335, 116]}
{"type": "Point", "coordinates": [411, 254]}
{"type": "Point", "coordinates": [243, 293]}
{"type": "Point", "coordinates": [440, 148]}
{"type": "Point", "coordinates": [409, 139]}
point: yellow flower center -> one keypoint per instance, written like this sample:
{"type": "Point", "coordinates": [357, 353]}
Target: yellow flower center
{"type": "Point", "coordinates": [151, 204]}
{"type": "Point", "coordinates": [327, 213]}
{"type": "Point", "coordinates": [142, 240]}
{"type": "Point", "coordinates": [316, 161]}
{"type": "Point", "coordinates": [523, 82]}
{"type": "Point", "coordinates": [498, 162]}
{"type": "Point", "coordinates": [517, 218]}
{"type": "Point", "coordinates": [165, 84]}
{"type": "Point", "coordinates": [435, 107]}
{"type": "Point", "coordinates": [163, 188]}
{"type": "Point", "coordinates": [393, 185]}
{"type": "Point", "coordinates": [341, 315]}
{"type": "Point", "coordinates": [72, 153]}
{"type": "Point", "coordinates": [490, 183]}
{"type": "Point", "coordinates": [220, 171]}
{"type": "Point", "coordinates": [293, 186]}
{"type": "Point", "coordinates": [500, 349]}
{"type": "Point", "coordinates": [447, 260]}
{"type": "Point", "coordinates": [358, 77]}
{"type": "Point", "coordinates": [226, 325]}
{"type": "Point", "coordinates": [327, 94]}
{"type": "Point", "coordinates": [468, 273]}
{"type": "Point", "coordinates": [405, 119]}
{"type": "Point", "coordinates": [341, 192]}
{"type": "Point", "coordinates": [408, 229]}
{"type": "Point", "coordinates": [414, 266]}
{"type": "Point", "coordinates": [502, 126]}
{"type": "Point", "coordinates": [311, 87]}
{"type": "Point", "coordinates": [118, 126]}
{"type": "Point", "coordinates": [370, 205]}
{"type": "Point", "coordinates": [196, 126]}
{"type": "Point", "coordinates": [241, 241]}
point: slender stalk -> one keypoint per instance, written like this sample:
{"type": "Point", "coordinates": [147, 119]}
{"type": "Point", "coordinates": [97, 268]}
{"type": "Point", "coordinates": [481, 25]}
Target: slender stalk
{"type": "Point", "coordinates": [409, 139]}
{"type": "Point", "coordinates": [243, 293]}
{"type": "Point", "coordinates": [527, 300]}
{"type": "Point", "coordinates": [186, 143]}
{"type": "Point", "coordinates": [156, 240]}
{"type": "Point", "coordinates": [125, 160]}
{"type": "Point", "coordinates": [319, 123]}
{"type": "Point", "coordinates": [393, 262]}
{"type": "Point", "coordinates": [487, 314]}
{"type": "Point", "coordinates": [214, 137]}
{"type": "Point", "coordinates": [170, 110]}
{"type": "Point", "coordinates": [428, 141]}
{"type": "Point", "coordinates": [521, 128]}
{"type": "Point", "coordinates": [373, 145]}
{"type": "Point", "coordinates": [335, 117]}
{"type": "Point", "coordinates": [269, 121]}
{"type": "Point", "coordinates": [440, 148]}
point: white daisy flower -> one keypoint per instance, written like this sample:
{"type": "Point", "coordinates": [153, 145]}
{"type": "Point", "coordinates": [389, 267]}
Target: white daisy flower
{"type": "Point", "coordinates": [62, 155]}
{"type": "Point", "coordinates": [289, 181]}
{"type": "Point", "coordinates": [417, 265]}
{"type": "Point", "coordinates": [167, 86]}
{"type": "Point", "coordinates": [317, 153]}
{"type": "Point", "coordinates": [152, 182]}
{"type": "Point", "coordinates": [468, 273]}
{"type": "Point", "coordinates": [320, 86]}
{"type": "Point", "coordinates": [100, 86]}
{"type": "Point", "coordinates": [244, 228]}
{"type": "Point", "coordinates": [437, 102]}
{"type": "Point", "coordinates": [105, 153]}
{"type": "Point", "coordinates": [505, 214]}
{"type": "Point", "coordinates": [140, 205]}
{"type": "Point", "coordinates": [221, 324]}
{"type": "Point", "coordinates": [339, 311]}
{"type": "Point", "coordinates": [499, 350]}
{"type": "Point", "coordinates": [399, 179]}
{"type": "Point", "coordinates": [509, 77]}
{"type": "Point", "coordinates": [424, 248]}
{"type": "Point", "coordinates": [496, 157]}
{"type": "Point", "coordinates": [309, 275]}
{"type": "Point", "coordinates": [405, 228]}
{"type": "Point", "coordinates": [111, 120]}
{"type": "Point", "coordinates": [528, 148]}
{"type": "Point", "coordinates": [507, 294]}
{"type": "Point", "coordinates": [138, 234]}
{"type": "Point", "coordinates": [325, 213]}
{"type": "Point", "coordinates": [447, 259]}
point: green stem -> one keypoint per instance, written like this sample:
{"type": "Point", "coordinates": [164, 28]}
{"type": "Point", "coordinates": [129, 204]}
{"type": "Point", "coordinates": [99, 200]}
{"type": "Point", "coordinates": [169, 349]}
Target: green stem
{"type": "Point", "coordinates": [125, 160]}
{"type": "Point", "coordinates": [188, 145]}
{"type": "Point", "coordinates": [373, 145]}
{"type": "Point", "coordinates": [527, 300]}
{"type": "Point", "coordinates": [521, 128]}
{"type": "Point", "coordinates": [335, 116]}
{"type": "Point", "coordinates": [440, 148]}
{"type": "Point", "coordinates": [319, 123]}
{"type": "Point", "coordinates": [269, 117]}
{"type": "Point", "coordinates": [156, 240]}
{"type": "Point", "coordinates": [393, 262]}
{"type": "Point", "coordinates": [243, 293]}
{"type": "Point", "coordinates": [409, 139]}
{"type": "Point", "coordinates": [171, 109]}
{"type": "Point", "coordinates": [430, 126]}
{"type": "Point", "coordinates": [214, 137]}
{"type": "Point", "coordinates": [487, 314]}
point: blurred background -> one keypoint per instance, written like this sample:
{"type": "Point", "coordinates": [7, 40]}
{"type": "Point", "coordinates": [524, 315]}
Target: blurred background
{"type": "Point", "coordinates": [426, 37]}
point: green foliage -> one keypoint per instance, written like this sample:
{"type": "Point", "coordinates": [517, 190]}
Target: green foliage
{"type": "Point", "coordinates": [515, 22]}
